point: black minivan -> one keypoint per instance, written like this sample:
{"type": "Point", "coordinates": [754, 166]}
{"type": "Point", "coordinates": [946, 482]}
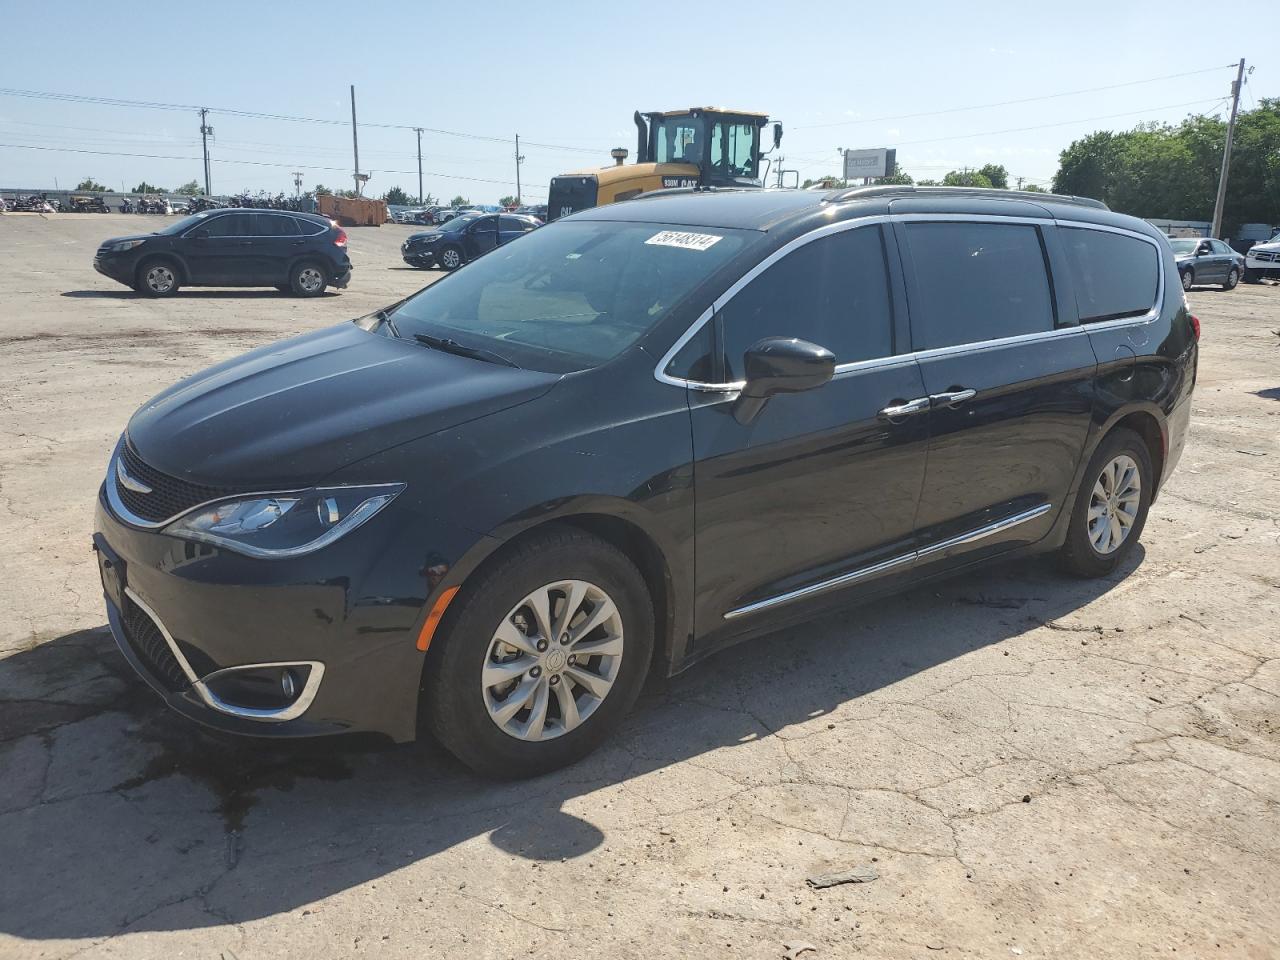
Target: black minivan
{"type": "Point", "coordinates": [630, 438]}
{"type": "Point", "coordinates": [300, 253]}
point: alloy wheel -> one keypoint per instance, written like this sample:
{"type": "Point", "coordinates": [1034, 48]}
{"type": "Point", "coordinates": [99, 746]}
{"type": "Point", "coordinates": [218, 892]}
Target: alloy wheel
{"type": "Point", "coordinates": [310, 279]}
{"type": "Point", "coordinates": [1114, 503]}
{"type": "Point", "coordinates": [552, 660]}
{"type": "Point", "coordinates": [450, 259]}
{"type": "Point", "coordinates": [159, 278]}
{"type": "Point", "coordinates": [1186, 280]}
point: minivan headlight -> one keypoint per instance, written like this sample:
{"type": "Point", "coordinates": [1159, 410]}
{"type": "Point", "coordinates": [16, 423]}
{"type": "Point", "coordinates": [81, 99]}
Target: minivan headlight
{"type": "Point", "coordinates": [279, 525]}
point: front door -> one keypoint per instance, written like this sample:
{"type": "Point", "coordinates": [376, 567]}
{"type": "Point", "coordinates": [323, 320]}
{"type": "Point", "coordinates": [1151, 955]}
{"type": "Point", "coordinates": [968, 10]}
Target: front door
{"type": "Point", "coordinates": [220, 250]}
{"type": "Point", "coordinates": [815, 496]}
{"type": "Point", "coordinates": [481, 237]}
{"type": "Point", "coordinates": [1011, 389]}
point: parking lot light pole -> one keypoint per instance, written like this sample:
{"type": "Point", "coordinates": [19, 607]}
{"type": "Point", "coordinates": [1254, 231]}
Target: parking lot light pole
{"type": "Point", "coordinates": [519, 160]}
{"type": "Point", "coordinates": [205, 130]}
{"type": "Point", "coordinates": [355, 141]}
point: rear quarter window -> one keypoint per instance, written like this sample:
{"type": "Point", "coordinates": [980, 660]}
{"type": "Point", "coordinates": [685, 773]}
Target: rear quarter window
{"type": "Point", "coordinates": [1114, 275]}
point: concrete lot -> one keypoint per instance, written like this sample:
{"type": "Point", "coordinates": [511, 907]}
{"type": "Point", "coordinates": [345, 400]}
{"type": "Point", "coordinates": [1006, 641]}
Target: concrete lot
{"type": "Point", "coordinates": [1034, 766]}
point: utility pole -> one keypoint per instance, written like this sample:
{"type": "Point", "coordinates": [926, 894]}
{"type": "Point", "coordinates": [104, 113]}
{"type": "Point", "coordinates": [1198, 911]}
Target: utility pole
{"type": "Point", "coordinates": [205, 130]}
{"type": "Point", "coordinates": [519, 160]}
{"type": "Point", "coordinates": [1020, 179]}
{"type": "Point", "coordinates": [297, 183]}
{"type": "Point", "coordinates": [418, 130]}
{"type": "Point", "coordinates": [1221, 201]}
{"type": "Point", "coordinates": [355, 141]}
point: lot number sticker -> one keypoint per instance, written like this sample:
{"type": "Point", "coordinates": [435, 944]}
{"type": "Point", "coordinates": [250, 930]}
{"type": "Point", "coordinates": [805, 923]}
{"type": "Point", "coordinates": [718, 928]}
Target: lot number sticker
{"type": "Point", "coordinates": [687, 241]}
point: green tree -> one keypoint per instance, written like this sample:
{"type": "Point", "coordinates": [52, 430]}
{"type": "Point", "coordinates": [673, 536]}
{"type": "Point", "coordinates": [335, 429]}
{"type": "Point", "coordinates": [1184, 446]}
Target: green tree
{"type": "Point", "coordinates": [190, 189]}
{"type": "Point", "coordinates": [397, 196]}
{"type": "Point", "coordinates": [321, 190]}
{"type": "Point", "coordinates": [88, 183]}
{"type": "Point", "coordinates": [1034, 188]}
{"type": "Point", "coordinates": [997, 174]}
{"type": "Point", "coordinates": [145, 187]}
{"type": "Point", "coordinates": [899, 177]}
{"type": "Point", "coordinates": [459, 201]}
{"type": "Point", "coordinates": [966, 178]}
{"type": "Point", "coordinates": [508, 201]}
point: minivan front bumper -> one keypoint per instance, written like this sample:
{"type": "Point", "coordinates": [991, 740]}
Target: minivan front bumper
{"type": "Point", "coordinates": [186, 616]}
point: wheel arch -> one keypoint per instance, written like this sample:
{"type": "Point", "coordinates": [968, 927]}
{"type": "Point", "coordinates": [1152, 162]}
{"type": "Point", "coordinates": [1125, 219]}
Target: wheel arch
{"type": "Point", "coordinates": [184, 275]}
{"type": "Point", "coordinates": [1151, 428]}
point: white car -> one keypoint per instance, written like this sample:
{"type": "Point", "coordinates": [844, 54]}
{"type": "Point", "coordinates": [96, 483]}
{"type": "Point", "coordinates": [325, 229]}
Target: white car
{"type": "Point", "coordinates": [1262, 260]}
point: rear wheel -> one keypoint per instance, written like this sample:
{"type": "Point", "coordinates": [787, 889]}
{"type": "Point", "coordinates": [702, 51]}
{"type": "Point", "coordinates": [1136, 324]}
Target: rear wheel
{"type": "Point", "coordinates": [542, 656]}
{"type": "Point", "coordinates": [1232, 279]}
{"type": "Point", "coordinates": [1188, 278]}
{"type": "Point", "coordinates": [450, 258]}
{"type": "Point", "coordinates": [157, 278]}
{"type": "Point", "coordinates": [307, 279]}
{"type": "Point", "coordinates": [1111, 506]}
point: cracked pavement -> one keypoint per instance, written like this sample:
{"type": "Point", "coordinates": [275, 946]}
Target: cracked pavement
{"type": "Point", "coordinates": [1034, 765]}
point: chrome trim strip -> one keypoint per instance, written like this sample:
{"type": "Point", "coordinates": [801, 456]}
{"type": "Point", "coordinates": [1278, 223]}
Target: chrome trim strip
{"type": "Point", "coordinates": [164, 632]}
{"type": "Point", "coordinates": [903, 358]}
{"type": "Point", "coordinates": [987, 531]}
{"type": "Point", "coordinates": [137, 486]}
{"type": "Point", "coordinates": [291, 712]}
{"type": "Point", "coordinates": [844, 579]}
{"type": "Point", "coordinates": [822, 587]}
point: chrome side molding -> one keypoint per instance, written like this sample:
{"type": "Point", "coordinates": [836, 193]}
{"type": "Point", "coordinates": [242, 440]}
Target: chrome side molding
{"type": "Point", "coordinates": [883, 566]}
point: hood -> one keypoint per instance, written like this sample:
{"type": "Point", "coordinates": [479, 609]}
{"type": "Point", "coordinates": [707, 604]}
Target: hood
{"type": "Point", "coordinates": [1271, 246]}
{"type": "Point", "coordinates": [289, 414]}
{"type": "Point", "coordinates": [132, 236]}
{"type": "Point", "coordinates": [425, 235]}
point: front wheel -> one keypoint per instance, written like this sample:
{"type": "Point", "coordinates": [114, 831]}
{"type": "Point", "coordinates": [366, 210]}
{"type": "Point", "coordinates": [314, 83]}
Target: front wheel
{"type": "Point", "coordinates": [1251, 276]}
{"type": "Point", "coordinates": [541, 656]}
{"type": "Point", "coordinates": [1232, 279]}
{"type": "Point", "coordinates": [1111, 506]}
{"type": "Point", "coordinates": [1188, 278]}
{"type": "Point", "coordinates": [157, 278]}
{"type": "Point", "coordinates": [450, 258]}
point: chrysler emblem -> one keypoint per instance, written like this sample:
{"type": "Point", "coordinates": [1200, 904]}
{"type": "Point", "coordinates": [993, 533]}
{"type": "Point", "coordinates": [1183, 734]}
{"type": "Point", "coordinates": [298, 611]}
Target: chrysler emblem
{"type": "Point", "coordinates": [128, 482]}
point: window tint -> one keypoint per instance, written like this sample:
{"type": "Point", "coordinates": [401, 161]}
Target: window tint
{"type": "Point", "coordinates": [977, 281]}
{"type": "Point", "coordinates": [508, 224]}
{"type": "Point", "coordinates": [275, 225]}
{"type": "Point", "coordinates": [231, 225]}
{"type": "Point", "coordinates": [693, 361]}
{"type": "Point", "coordinates": [1115, 276]}
{"type": "Point", "coordinates": [1220, 247]}
{"type": "Point", "coordinates": [309, 228]}
{"type": "Point", "coordinates": [833, 292]}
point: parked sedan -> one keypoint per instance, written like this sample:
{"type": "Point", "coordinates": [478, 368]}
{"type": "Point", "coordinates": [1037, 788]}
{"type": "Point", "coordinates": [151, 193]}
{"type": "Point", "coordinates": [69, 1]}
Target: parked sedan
{"type": "Point", "coordinates": [298, 252]}
{"type": "Point", "coordinates": [464, 238]}
{"type": "Point", "coordinates": [1203, 262]}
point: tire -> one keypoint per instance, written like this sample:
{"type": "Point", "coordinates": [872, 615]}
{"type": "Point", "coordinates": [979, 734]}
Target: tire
{"type": "Point", "coordinates": [307, 279]}
{"type": "Point", "coordinates": [1232, 279]}
{"type": "Point", "coordinates": [1251, 276]}
{"type": "Point", "coordinates": [1188, 278]}
{"type": "Point", "coordinates": [1081, 554]}
{"type": "Point", "coordinates": [467, 717]}
{"type": "Point", "coordinates": [157, 277]}
{"type": "Point", "coordinates": [450, 258]}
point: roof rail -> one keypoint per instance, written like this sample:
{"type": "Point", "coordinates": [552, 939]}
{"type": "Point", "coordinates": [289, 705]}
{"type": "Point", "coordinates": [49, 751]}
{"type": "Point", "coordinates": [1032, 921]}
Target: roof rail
{"type": "Point", "coordinates": [989, 193]}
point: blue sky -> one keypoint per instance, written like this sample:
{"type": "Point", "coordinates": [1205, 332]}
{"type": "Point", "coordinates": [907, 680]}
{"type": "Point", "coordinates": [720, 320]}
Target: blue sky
{"type": "Point", "coordinates": [566, 77]}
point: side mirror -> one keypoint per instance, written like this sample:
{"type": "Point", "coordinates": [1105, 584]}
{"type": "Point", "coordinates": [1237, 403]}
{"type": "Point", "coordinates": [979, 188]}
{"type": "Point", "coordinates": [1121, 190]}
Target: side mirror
{"type": "Point", "coordinates": [781, 365]}
{"type": "Point", "coordinates": [1203, 249]}
{"type": "Point", "coordinates": [777, 135]}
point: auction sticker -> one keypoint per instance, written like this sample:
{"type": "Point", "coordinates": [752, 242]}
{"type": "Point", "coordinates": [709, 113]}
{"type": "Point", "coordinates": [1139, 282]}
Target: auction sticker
{"type": "Point", "coordinates": [688, 241]}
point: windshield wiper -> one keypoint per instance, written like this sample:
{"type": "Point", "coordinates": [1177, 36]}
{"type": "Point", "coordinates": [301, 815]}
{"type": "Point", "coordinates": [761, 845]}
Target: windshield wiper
{"type": "Point", "coordinates": [462, 350]}
{"type": "Point", "coordinates": [385, 317]}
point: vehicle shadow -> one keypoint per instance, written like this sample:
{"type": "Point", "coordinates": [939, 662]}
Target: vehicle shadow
{"type": "Point", "coordinates": [201, 294]}
{"type": "Point", "coordinates": [113, 809]}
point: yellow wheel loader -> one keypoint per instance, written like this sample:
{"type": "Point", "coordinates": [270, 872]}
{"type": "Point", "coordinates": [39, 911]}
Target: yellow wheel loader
{"type": "Point", "coordinates": [701, 146]}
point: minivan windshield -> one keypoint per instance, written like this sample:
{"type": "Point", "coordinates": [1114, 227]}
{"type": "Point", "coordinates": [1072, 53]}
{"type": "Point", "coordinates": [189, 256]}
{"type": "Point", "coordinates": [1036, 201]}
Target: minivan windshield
{"type": "Point", "coordinates": [572, 294]}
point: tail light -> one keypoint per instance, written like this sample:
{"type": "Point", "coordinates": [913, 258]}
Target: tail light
{"type": "Point", "coordinates": [340, 240]}
{"type": "Point", "coordinates": [1195, 325]}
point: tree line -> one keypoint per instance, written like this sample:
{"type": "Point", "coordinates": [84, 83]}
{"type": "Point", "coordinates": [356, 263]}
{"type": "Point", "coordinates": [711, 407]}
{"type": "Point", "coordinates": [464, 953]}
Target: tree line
{"type": "Point", "coordinates": [1157, 171]}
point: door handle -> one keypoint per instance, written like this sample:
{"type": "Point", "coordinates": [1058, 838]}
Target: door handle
{"type": "Point", "coordinates": [907, 409]}
{"type": "Point", "coordinates": [953, 398]}
{"type": "Point", "coordinates": [246, 243]}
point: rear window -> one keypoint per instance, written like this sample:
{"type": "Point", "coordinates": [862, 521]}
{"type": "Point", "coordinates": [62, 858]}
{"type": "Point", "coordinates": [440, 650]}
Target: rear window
{"type": "Point", "coordinates": [1115, 275]}
{"type": "Point", "coordinates": [977, 282]}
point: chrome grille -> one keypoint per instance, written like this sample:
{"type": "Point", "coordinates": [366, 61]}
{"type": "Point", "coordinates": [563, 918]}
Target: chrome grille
{"type": "Point", "coordinates": [169, 496]}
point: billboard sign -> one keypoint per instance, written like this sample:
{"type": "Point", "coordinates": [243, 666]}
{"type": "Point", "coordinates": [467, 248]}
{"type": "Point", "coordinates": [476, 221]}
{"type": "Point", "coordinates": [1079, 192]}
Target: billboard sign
{"type": "Point", "coordinates": [869, 163]}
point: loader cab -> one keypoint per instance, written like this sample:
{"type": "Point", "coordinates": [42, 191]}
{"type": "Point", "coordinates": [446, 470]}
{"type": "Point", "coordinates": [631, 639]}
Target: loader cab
{"type": "Point", "coordinates": [723, 145]}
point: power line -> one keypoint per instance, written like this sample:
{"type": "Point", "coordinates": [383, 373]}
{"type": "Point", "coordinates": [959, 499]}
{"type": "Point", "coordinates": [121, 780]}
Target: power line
{"type": "Point", "coordinates": [1006, 103]}
{"type": "Point", "coordinates": [227, 111]}
{"type": "Point", "coordinates": [252, 163]}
